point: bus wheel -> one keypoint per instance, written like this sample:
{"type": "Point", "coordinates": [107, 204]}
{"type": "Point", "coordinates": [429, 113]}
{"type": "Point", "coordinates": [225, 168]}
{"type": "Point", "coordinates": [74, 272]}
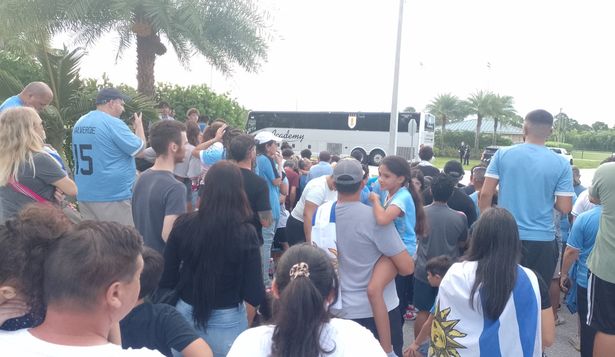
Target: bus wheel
{"type": "Point", "coordinates": [359, 154]}
{"type": "Point", "coordinates": [375, 157]}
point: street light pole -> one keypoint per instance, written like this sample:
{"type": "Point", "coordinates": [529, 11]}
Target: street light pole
{"type": "Point", "coordinates": [394, 114]}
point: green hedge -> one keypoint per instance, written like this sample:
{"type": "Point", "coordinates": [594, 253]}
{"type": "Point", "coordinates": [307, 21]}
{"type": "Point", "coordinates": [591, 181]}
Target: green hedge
{"type": "Point", "coordinates": [556, 144]}
{"type": "Point", "coordinates": [603, 140]}
{"type": "Point", "coordinates": [205, 100]}
{"type": "Point", "coordinates": [452, 140]}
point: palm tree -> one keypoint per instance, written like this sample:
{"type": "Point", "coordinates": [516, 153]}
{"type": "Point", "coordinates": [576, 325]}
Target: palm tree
{"type": "Point", "coordinates": [502, 110]}
{"type": "Point", "coordinates": [226, 32]}
{"type": "Point", "coordinates": [446, 107]}
{"type": "Point", "coordinates": [479, 103]}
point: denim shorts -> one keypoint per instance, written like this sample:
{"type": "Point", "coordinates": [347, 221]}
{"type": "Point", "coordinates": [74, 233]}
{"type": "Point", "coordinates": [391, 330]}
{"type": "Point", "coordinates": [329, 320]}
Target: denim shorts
{"type": "Point", "coordinates": [223, 326]}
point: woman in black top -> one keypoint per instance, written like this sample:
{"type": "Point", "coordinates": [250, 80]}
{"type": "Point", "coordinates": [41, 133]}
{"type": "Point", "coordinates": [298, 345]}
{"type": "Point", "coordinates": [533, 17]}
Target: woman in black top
{"type": "Point", "coordinates": [213, 258]}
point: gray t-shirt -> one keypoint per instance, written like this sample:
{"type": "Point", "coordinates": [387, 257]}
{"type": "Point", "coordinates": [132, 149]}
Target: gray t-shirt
{"type": "Point", "coordinates": [46, 171]}
{"type": "Point", "coordinates": [156, 194]}
{"type": "Point", "coordinates": [447, 228]}
{"type": "Point", "coordinates": [361, 242]}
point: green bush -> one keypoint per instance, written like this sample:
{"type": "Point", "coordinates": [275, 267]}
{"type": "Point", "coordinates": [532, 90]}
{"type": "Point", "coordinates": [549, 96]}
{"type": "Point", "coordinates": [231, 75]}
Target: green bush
{"type": "Point", "coordinates": [603, 140]}
{"type": "Point", "coordinates": [452, 140]}
{"type": "Point", "coordinates": [205, 100]}
{"type": "Point", "coordinates": [555, 144]}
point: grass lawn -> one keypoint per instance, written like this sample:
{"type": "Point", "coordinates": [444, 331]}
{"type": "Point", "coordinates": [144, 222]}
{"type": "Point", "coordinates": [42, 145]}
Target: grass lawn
{"type": "Point", "coordinates": [582, 159]}
{"type": "Point", "coordinates": [440, 161]}
{"type": "Point", "coordinates": [588, 159]}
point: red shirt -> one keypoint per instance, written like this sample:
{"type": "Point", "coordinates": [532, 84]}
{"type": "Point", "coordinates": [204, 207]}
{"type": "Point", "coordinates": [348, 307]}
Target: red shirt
{"type": "Point", "coordinates": [293, 181]}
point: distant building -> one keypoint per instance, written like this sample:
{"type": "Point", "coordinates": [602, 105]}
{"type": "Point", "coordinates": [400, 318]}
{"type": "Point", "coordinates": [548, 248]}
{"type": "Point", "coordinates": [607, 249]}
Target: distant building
{"type": "Point", "coordinates": [507, 131]}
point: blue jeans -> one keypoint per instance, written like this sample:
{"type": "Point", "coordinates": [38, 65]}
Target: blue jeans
{"type": "Point", "coordinates": [268, 234]}
{"type": "Point", "coordinates": [222, 329]}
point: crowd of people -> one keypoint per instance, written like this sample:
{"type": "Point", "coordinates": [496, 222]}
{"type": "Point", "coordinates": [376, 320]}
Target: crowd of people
{"type": "Point", "coordinates": [190, 237]}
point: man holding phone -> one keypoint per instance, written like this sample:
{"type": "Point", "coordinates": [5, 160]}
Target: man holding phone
{"type": "Point", "coordinates": [104, 149]}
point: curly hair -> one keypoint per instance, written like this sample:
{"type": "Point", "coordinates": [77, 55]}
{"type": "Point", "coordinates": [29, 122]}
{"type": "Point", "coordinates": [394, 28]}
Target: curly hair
{"type": "Point", "coordinates": [30, 236]}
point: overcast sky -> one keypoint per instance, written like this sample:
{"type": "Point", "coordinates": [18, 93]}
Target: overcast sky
{"type": "Point", "coordinates": [329, 55]}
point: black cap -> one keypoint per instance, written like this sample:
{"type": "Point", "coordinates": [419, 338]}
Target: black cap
{"type": "Point", "coordinates": [107, 94]}
{"type": "Point", "coordinates": [454, 169]}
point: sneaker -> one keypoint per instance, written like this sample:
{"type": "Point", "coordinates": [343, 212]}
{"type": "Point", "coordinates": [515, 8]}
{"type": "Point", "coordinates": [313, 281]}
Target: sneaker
{"type": "Point", "coordinates": [409, 316]}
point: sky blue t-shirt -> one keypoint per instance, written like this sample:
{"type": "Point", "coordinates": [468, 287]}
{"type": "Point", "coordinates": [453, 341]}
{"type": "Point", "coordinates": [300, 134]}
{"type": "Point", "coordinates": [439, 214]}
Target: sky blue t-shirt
{"type": "Point", "coordinates": [320, 169]}
{"type": "Point", "coordinates": [264, 169]}
{"type": "Point", "coordinates": [474, 197]}
{"type": "Point", "coordinates": [365, 196]}
{"type": "Point", "coordinates": [582, 237]}
{"type": "Point", "coordinates": [104, 149]}
{"type": "Point", "coordinates": [530, 176]}
{"type": "Point", "coordinates": [11, 102]}
{"type": "Point", "coordinates": [404, 224]}
{"type": "Point", "coordinates": [212, 154]}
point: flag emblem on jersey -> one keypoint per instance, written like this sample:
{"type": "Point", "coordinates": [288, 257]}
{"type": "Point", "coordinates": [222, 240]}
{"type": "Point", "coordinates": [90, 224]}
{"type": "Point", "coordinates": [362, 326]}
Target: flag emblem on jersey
{"type": "Point", "coordinates": [352, 121]}
{"type": "Point", "coordinates": [443, 335]}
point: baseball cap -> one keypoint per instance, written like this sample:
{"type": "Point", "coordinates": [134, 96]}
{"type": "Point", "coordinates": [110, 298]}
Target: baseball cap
{"type": "Point", "coordinates": [107, 94]}
{"type": "Point", "coordinates": [348, 171]}
{"type": "Point", "coordinates": [454, 169]}
{"type": "Point", "coordinates": [265, 137]}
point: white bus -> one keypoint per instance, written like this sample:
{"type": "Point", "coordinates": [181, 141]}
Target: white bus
{"type": "Point", "coordinates": [345, 133]}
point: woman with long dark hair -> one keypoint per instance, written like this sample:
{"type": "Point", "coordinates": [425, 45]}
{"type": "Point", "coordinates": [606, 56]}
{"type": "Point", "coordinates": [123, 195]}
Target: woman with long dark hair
{"type": "Point", "coordinates": [212, 259]}
{"type": "Point", "coordinates": [488, 304]}
{"type": "Point", "coordinates": [305, 285]}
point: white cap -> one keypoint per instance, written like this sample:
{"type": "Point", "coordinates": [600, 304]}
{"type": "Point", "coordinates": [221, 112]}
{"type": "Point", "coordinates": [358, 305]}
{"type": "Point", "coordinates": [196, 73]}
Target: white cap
{"type": "Point", "coordinates": [265, 137]}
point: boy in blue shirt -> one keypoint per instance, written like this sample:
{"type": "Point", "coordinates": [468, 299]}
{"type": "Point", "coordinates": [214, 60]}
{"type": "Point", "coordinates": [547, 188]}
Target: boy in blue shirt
{"type": "Point", "coordinates": [580, 243]}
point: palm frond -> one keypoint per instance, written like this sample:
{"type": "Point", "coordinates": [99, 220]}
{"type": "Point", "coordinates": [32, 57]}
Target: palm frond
{"type": "Point", "coordinates": [9, 85]}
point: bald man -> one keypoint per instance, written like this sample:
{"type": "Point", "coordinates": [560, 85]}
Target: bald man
{"type": "Point", "coordinates": [36, 95]}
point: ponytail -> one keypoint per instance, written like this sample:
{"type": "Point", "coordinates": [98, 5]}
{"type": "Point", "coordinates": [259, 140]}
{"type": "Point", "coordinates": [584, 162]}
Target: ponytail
{"type": "Point", "coordinates": [301, 311]}
{"type": "Point", "coordinates": [420, 228]}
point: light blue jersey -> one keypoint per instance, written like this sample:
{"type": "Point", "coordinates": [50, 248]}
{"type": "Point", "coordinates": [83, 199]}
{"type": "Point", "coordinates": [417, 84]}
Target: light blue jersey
{"type": "Point", "coordinates": [264, 169]}
{"type": "Point", "coordinates": [212, 154]}
{"type": "Point", "coordinates": [12, 102]}
{"type": "Point", "coordinates": [530, 176]}
{"type": "Point", "coordinates": [474, 197]}
{"type": "Point", "coordinates": [404, 224]}
{"type": "Point", "coordinates": [582, 237]}
{"type": "Point", "coordinates": [320, 169]}
{"type": "Point", "coordinates": [104, 149]}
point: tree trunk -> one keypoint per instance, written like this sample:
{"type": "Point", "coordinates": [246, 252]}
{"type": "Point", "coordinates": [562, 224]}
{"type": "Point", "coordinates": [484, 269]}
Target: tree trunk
{"type": "Point", "coordinates": [479, 121]}
{"type": "Point", "coordinates": [495, 131]}
{"type": "Point", "coordinates": [442, 133]}
{"type": "Point", "coordinates": [146, 58]}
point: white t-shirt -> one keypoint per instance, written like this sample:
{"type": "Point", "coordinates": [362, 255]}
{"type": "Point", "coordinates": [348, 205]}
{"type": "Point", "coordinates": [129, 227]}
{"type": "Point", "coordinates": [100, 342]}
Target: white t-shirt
{"type": "Point", "coordinates": [22, 343]}
{"type": "Point", "coordinates": [582, 204]}
{"type": "Point", "coordinates": [316, 191]}
{"type": "Point", "coordinates": [348, 337]}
